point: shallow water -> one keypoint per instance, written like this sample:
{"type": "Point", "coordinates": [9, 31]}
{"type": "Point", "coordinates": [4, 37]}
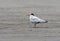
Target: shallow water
{"type": "Point", "coordinates": [15, 26]}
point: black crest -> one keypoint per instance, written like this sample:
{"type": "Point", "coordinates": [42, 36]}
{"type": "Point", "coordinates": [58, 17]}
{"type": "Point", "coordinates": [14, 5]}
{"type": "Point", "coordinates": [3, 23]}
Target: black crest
{"type": "Point", "coordinates": [32, 14]}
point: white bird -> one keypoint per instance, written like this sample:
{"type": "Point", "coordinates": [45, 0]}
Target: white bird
{"type": "Point", "coordinates": [35, 20]}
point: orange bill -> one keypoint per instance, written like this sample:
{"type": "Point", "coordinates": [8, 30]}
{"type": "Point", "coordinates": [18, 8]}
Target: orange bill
{"type": "Point", "coordinates": [27, 14]}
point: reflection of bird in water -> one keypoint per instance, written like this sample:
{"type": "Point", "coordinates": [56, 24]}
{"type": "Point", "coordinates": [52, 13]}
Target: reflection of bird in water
{"type": "Point", "coordinates": [35, 20]}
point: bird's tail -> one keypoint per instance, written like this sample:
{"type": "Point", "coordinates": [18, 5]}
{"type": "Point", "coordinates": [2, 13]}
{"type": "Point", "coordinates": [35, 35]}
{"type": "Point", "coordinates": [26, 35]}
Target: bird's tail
{"type": "Point", "coordinates": [46, 21]}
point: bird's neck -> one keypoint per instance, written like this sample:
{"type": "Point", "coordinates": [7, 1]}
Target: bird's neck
{"type": "Point", "coordinates": [31, 15]}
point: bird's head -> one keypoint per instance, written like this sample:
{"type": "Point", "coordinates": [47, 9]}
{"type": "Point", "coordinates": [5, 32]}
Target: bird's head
{"type": "Point", "coordinates": [27, 14]}
{"type": "Point", "coordinates": [32, 14]}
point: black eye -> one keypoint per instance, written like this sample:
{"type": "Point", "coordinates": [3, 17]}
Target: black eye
{"type": "Point", "coordinates": [32, 14]}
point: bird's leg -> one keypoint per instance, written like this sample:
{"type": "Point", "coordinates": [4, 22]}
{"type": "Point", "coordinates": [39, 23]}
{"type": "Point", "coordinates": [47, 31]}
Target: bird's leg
{"type": "Point", "coordinates": [34, 25]}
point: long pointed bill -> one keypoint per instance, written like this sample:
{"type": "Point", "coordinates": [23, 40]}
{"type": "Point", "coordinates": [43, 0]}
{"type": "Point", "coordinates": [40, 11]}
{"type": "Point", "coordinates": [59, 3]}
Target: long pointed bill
{"type": "Point", "coordinates": [27, 14]}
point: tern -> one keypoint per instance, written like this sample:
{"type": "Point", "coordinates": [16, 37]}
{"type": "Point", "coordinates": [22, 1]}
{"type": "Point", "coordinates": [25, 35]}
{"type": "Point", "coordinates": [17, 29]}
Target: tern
{"type": "Point", "coordinates": [35, 20]}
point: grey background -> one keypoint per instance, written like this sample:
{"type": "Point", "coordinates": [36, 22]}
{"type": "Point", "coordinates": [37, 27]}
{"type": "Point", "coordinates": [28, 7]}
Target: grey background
{"type": "Point", "coordinates": [15, 26]}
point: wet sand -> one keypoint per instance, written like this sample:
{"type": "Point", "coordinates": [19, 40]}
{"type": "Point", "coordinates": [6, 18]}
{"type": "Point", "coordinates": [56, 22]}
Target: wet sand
{"type": "Point", "coordinates": [15, 26]}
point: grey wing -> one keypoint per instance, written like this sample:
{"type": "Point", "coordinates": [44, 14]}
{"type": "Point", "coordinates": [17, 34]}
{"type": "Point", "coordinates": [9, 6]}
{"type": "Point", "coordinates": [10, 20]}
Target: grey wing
{"type": "Point", "coordinates": [35, 20]}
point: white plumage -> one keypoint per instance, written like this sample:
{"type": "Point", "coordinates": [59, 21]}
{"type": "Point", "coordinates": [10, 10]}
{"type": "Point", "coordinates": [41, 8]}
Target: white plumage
{"type": "Point", "coordinates": [35, 19]}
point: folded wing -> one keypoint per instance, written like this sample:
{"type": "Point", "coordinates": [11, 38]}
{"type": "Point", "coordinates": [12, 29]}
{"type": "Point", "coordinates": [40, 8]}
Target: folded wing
{"type": "Point", "coordinates": [36, 19]}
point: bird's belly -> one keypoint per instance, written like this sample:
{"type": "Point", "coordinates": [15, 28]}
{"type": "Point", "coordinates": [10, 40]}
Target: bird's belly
{"type": "Point", "coordinates": [35, 22]}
